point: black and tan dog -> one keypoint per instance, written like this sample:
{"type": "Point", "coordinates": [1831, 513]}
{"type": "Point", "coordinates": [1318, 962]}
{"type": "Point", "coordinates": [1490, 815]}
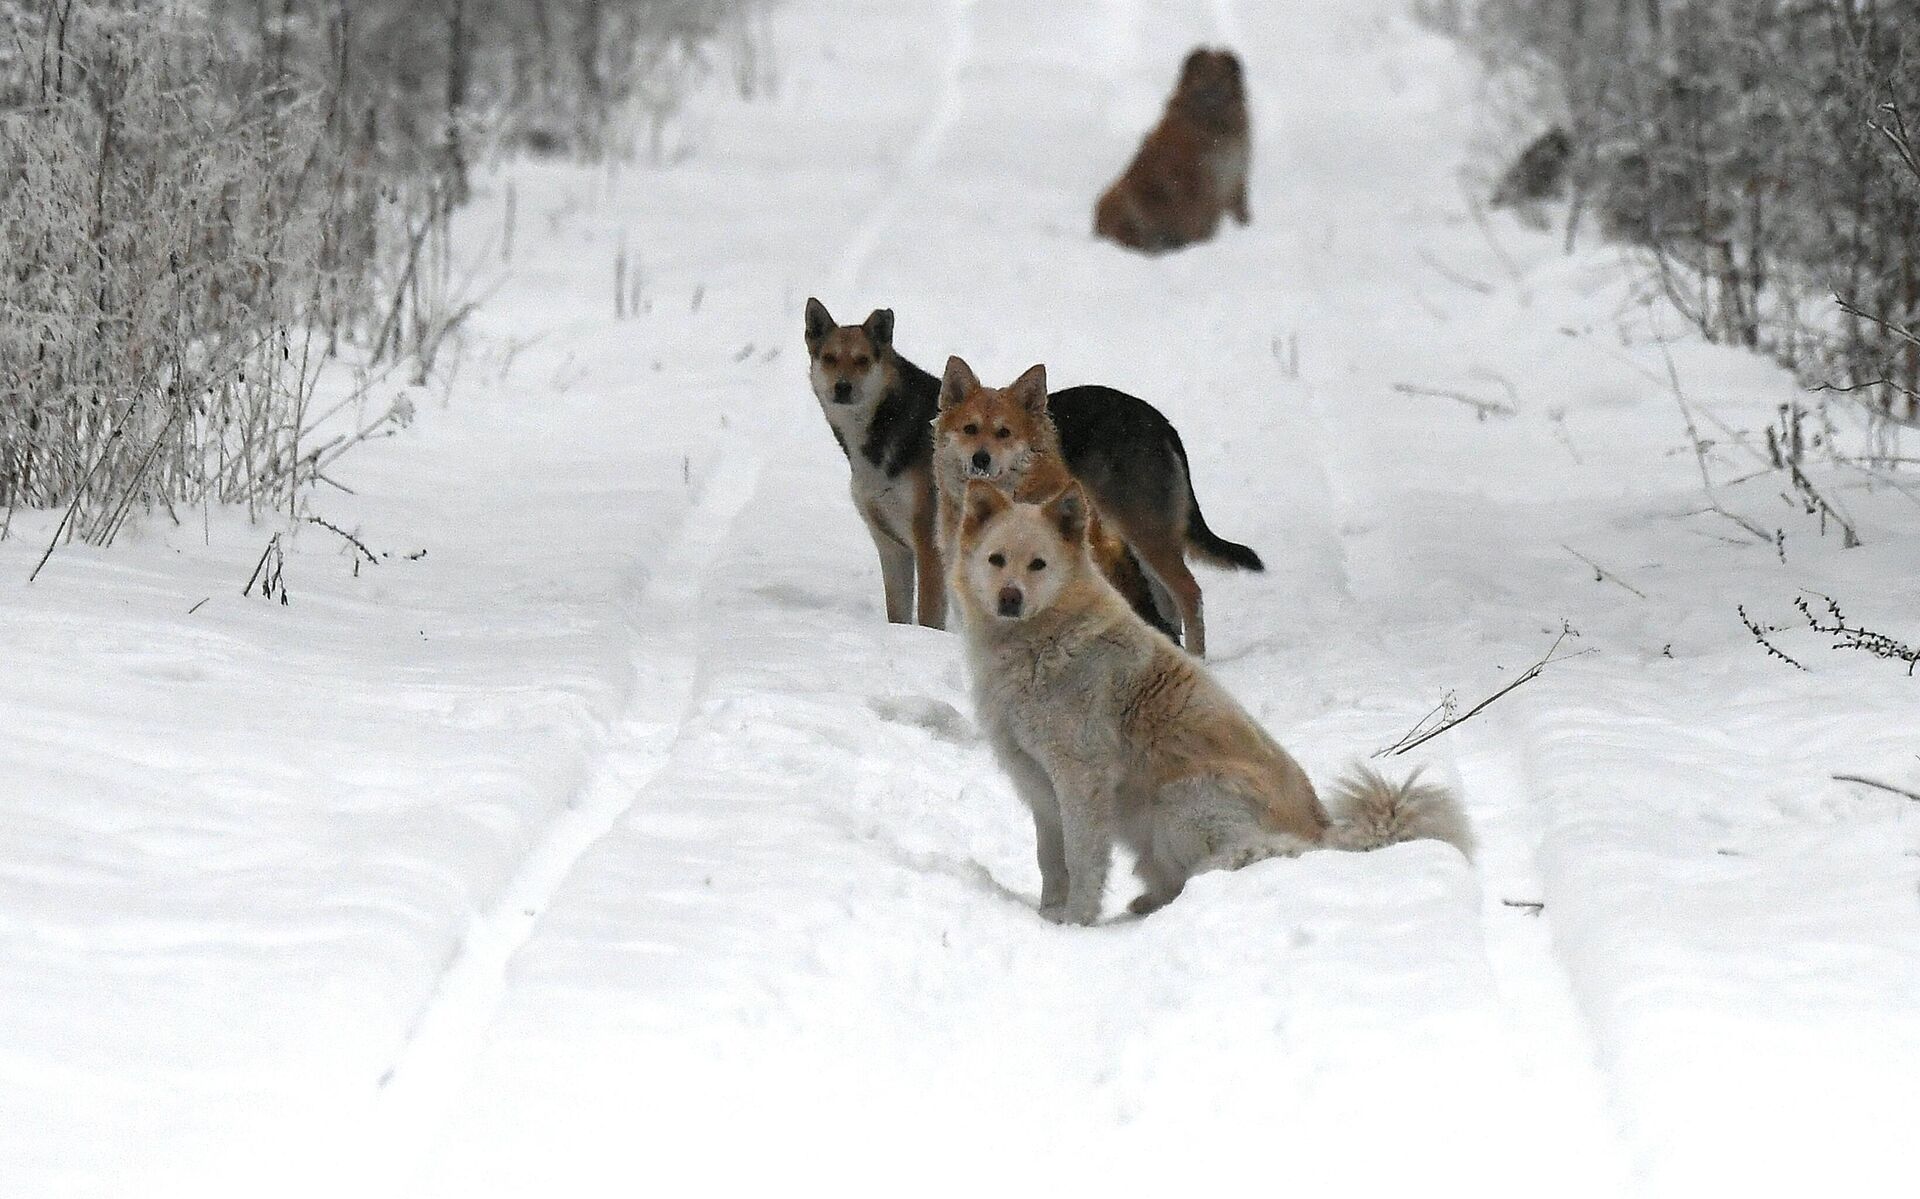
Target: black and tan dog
{"type": "Point", "coordinates": [881, 409]}
{"type": "Point", "coordinates": [1129, 457]}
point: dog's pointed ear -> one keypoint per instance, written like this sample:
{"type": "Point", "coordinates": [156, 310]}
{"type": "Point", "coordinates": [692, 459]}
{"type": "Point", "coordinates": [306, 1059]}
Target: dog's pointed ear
{"type": "Point", "coordinates": [879, 328]}
{"type": "Point", "coordinates": [984, 501]}
{"type": "Point", "coordinates": [1030, 390]}
{"type": "Point", "coordinates": [1195, 57]}
{"type": "Point", "coordinates": [1068, 512]}
{"type": "Point", "coordinates": [958, 380]}
{"type": "Point", "coordinates": [819, 322]}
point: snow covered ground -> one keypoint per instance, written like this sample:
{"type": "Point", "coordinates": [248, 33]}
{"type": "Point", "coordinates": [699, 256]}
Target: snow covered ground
{"type": "Point", "coordinates": [616, 844]}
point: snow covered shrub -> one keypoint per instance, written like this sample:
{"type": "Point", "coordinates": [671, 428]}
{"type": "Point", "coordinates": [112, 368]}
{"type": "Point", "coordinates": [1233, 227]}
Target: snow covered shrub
{"type": "Point", "coordinates": [202, 200]}
{"type": "Point", "coordinates": [596, 77]}
{"type": "Point", "coordinates": [1757, 152]}
{"type": "Point", "coordinates": [162, 231]}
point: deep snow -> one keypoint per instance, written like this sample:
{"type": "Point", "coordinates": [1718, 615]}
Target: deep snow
{"type": "Point", "coordinates": [617, 844]}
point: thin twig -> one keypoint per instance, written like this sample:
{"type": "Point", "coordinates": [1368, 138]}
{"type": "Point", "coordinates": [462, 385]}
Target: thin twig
{"type": "Point", "coordinates": [1601, 573]}
{"type": "Point", "coordinates": [1499, 251]}
{"type": "Point", "coordinates": [1867, 782]}
{"type": "Point", "coordinates": [1481, 408]}
{"type": "Point", "coordinates": [260, 565]}
{"type": "Point", "coordinates": [357, 544]}
{"type": "Point", "coordinates": [1900, 332]}
{"type": "Point", "coordinates": [1760, 635]}
{"type": "Point", "coordinates": [80, 493]}
{"type": "Point", "coordinates": [1700, 452]}
{"type": "Point", "coordinates": [1453, 276]}
{"type": "Point", "coordinates": [1532, 672]}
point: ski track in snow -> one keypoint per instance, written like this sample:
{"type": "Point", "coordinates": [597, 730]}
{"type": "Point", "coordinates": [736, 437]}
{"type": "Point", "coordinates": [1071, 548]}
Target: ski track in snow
{"type": "Point", "coordinates": [921, 156]}
{"type": "Point", "coordinates": [438, 1057]}
{"type": "Point", "coordinates": [668, 639]}
{"type": "Point", "coordinates": [1548, 1029]}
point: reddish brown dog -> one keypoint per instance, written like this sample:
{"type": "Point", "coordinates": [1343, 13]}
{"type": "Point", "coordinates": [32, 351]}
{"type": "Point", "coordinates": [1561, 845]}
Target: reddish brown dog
{"type": "Point", "coordinates": [1191, 169]}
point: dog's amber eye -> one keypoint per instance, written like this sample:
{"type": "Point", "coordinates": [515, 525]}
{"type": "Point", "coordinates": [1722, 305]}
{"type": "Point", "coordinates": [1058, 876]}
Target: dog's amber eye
{"type": "Point", "coordinates": [996, 559]}
{"type": "Point", "coordinates": [829, 360]}
{"type": "Point", "coordinates": [1037, 564]}
{"type": "Point", "coordinates": [861, 364]}
{"type": "Point", "coordinates": [970, 430]}
{"type": "Point", "coordinates": [1003, 434]}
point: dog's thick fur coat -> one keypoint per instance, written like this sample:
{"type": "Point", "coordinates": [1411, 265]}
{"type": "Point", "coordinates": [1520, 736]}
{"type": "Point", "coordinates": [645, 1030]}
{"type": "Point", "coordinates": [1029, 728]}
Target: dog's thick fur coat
{"type": "Point", "coordinates": [1111, 734]}
{"type": "Point", "coordinates": [1120, 448]}
{"type": "Point", "coordinates": [1191, 169]}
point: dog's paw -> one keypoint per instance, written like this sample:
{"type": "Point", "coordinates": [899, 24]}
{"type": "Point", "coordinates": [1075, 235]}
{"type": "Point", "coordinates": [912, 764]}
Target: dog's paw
{"type": "Point", "coordinates": [1146, 903]}
{"type": "Point", "coordinates": [1063, 914]}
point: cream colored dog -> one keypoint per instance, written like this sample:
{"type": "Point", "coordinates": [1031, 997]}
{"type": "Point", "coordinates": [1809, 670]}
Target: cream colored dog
{"type": "Point", "coordinates": [1112, 733]}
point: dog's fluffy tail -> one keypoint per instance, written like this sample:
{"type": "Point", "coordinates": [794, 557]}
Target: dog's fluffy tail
{"type": "Point", "coordinates": [1203, 541]}
{"type": "Point", "coordinates": [1370, 813]}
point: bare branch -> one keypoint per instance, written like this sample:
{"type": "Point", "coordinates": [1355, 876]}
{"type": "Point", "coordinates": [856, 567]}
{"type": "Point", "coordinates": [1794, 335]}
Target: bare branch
{"type": "Point", "coordinates": [1412, 741]}
{"type": "Point", "coordinates": [1482, 408]}
{"type": "Point", "coordinates": [1602, 574]}
{"type": "Point", "coordinates": [1867, 782]}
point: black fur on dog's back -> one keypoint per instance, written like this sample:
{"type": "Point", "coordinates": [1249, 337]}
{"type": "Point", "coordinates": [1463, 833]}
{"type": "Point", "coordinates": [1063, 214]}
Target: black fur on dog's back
{"type": "Point", "coordinates": [1123, 450]}
{"type": "Point", "coordinates": [901, 432]}
{"type": "Point", "coordinates": [1130, 457]}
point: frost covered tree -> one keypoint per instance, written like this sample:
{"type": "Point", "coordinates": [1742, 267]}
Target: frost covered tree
{"type": "Point", "coordinates": [1760, 152]}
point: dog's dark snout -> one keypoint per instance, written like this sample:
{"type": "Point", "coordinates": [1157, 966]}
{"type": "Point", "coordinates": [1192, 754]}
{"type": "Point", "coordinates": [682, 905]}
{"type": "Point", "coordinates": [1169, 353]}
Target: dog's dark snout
{"type": "Point", "coordinates": [843, 391]}
{"type": "Point", "coordinates": [1010, 600]}
{"type": "Point", "coordinates": [982, 460]}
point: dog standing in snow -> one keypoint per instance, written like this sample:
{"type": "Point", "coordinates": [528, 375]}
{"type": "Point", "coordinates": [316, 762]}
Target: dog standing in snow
{"type": "Point", "coordinates": [1110, 733]}
{"type": "Point", "coordinates": [1192, 168]}
{"type": "Point", "coordinates": [881, 408]}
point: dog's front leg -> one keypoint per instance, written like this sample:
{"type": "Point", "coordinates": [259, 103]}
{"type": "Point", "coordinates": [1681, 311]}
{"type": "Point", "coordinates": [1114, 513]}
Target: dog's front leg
{"type": "Point", "coordinates": [896, 573]}
{"type": "Point", "coordinates": [1086, 833]}
{"type": "Point", "coordinates": [1030, 782]}
{"type": "Point", "coordinates": [932, 580]}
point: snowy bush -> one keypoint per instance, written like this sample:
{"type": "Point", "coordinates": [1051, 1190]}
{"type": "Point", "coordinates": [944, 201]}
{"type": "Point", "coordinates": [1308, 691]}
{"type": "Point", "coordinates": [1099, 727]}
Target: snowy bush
{"type": "Point", "coordinates": [204, 200]}
{"type": "Point", "coordinates": [1760, 154]}
{"type": "Point", "coordinates": [163, 227]}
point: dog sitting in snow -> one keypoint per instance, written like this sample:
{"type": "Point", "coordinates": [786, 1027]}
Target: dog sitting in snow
{"type": "Point", "coordinates": [1192, 168]}
{"type": "Point", "coordinates": [1112, 734]}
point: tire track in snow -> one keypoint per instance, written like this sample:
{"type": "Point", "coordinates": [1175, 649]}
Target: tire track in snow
{"type": "Point", "coordinates": [421, 1087]}
{"type": "Point", "coordinates": [865, 238]}
{"type": "Point", "coordinates": [1549, 1033]}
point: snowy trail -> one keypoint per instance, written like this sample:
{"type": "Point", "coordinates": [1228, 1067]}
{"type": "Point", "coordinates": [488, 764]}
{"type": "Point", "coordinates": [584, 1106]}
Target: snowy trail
{"type": "Point", "coordinates": [776, 830]}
